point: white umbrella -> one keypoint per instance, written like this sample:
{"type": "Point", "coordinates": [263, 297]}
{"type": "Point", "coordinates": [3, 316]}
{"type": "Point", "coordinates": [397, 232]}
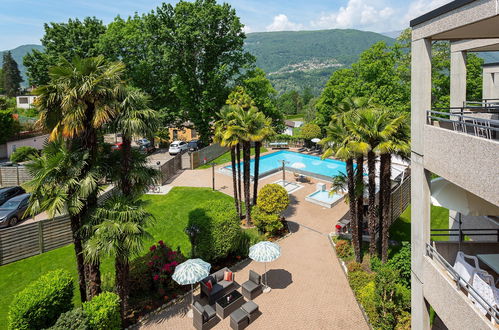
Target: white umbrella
{"type": "Point", "coordinates": [191, 272]}
{"type": "Point", "coordinates": [316, 140]}
{"type": "Point", "coordinates": [452, 197]}
{"type": "Point", "coordinates": [298, 165]}
{"type": "Point", "coordinates": [265, 252]}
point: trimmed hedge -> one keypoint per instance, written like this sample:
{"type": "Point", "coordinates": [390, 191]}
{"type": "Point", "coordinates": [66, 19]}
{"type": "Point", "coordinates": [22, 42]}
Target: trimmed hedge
{"type": "Point", "coordinates": [39, 305]}
{"type": "Point", "coordinates": [268, 223]}
{"type": "Point", "coordinates": [219, 230]}
{"type": "Point", "coordinates": [103, 312]}
{"type": "Point", "coordinates": [75, 319]}
{"type": "Point", "coordinates": [273, 198]}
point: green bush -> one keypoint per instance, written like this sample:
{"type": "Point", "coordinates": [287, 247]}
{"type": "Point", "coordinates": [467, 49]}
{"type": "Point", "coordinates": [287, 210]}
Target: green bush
{"type": "Point", "coordinates": [310, 131]}
{"type": "Point", "coordinates": [39, 305]}
{"type": "Point", "coordinates": [354, 267]}
{"type": "Point", "coordinates": [23, 154]}
{"type": "Point", "coordinates": [359, 279]}
{"type": "Point", "coordinates": [367, 298]}
{"type": "Point", "coordinates": [272, 198]}
{"type": "Point", "coordinates": [243, 243]}
{"type": "Point", "coordinates": [218, 227]}
{"type": "Point", "coordinates": [140, 276]}
{"type": "Point", "coordinates": [268, 223]}
{"type": "Point", "coordinates": [402, 262]}
{"type": "Point", "coordinates": [75, 319]}
{"type": "Point", "coordinates": [344, 249]}
{"type": "Point", "coordinates": [103, 312]}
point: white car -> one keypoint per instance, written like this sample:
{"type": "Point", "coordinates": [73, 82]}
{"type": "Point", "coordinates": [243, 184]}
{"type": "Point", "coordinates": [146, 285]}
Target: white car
{"type": "Point", "coordinates": [177, 147]}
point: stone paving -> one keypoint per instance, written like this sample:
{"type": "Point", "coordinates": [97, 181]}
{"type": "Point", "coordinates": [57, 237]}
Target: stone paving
{"type": "Point", "coordinates": [309, 288]}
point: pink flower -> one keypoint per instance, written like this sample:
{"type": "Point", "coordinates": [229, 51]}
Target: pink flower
{"type": "Point", "coordinates": [152, 248]}
{"type": "Point", "coordinates": [174, 263]}
{"type": "Point", "coordinates": [161, 243]}
{"type": "Point", "coordinates": [156, 277]}
{"type": "Point", "coordinates": [150, 263]}
{"type": "Point", "coordinates": [155, 257]}
{"type": "Point", "coordinates": [166, 268]}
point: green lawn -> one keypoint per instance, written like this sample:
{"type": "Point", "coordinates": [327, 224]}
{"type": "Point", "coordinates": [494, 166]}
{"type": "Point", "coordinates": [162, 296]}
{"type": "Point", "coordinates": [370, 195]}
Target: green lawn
{"type": "Point", "coordinates": [401, 228]}
{"type": "Point", "coordinates": [298, 117]}
{"type": "Point", "coordinates": [225, 158]}
{"type": "Point", "coordinates": [171, 214]}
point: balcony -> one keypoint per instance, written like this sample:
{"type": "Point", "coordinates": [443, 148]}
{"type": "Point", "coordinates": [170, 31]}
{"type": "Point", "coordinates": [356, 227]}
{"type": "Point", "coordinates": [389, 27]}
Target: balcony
{"type": "Point", "coordinates": [462, 145]}
{"type": "Point", "coordinates": [457, 302]}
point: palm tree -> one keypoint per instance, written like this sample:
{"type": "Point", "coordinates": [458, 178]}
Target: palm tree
{"type": "Point", "coordinates": [79, 100]}
{"type": "Point", "coordinates": [134, 119]}
{"type": "Point", "coordinates": [119, 232]}
{"type": "Point", "coordinates": [398, 144]}
{"type": "Point", "coordinates": [60, 184]}
{"type": "Point", "coordinates": [226, 116]}
{"type": "Point", "coordinates": [338, 142]}
{"type": "Point", "coordinates": [261, 130]}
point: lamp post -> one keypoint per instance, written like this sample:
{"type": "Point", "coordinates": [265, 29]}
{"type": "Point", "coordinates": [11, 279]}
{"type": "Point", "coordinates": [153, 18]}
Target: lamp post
{"type": "Point", "coordinates": [213, 175]}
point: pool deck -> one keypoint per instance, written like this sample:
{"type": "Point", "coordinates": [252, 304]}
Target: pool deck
{"type": "Point", "coordinates": [309, 288]}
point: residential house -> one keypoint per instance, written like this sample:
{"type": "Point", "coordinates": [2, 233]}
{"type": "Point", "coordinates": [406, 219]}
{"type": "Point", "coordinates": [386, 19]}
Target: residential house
{"type": "Point", "coordinates": [291, 125]}
{"type": "Point", "coordinates": [186, 132]}
{"type": "Point", "coordinates": [460, 146]}
{"type": "Point", "coordinates": [25, 101]}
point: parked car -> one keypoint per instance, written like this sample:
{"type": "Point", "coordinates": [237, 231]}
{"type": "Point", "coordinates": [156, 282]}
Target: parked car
{"type": "Point", "coordinates": [13, 210]}
{"type": "Point", "coordinates": [9, 192]}
{"type": "Point", "coordinates": [177, 147]}
{"type": "Point", "coordinates": [146, 148]}
{"type": "Point", "coordinates": [195, 145]}
{"type": "Point", "coordinates": [143, 141]}
{"type": "Point", "coordinates": [117, 146]}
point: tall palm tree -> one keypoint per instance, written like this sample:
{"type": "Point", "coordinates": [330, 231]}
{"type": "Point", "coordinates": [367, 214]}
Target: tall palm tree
{"type": "Point", "coordinates": [61, 184]}
{"type": "Point", "coordinates": [119, 232]}
{"type": "Point", "coordinates": [262, 129]}
{"type": "Point", "coordinates": [231, 141]}
{"type": "Point", "coordinates": [79, 100]}
{"type": "Point", "coordinates": [399, 144]}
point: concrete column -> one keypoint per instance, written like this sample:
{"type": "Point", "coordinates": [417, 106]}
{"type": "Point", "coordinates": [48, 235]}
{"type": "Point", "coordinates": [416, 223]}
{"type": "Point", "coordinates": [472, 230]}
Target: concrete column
{"type": "Point", "coordinates": [458, 78]}
{"type": "Point", "coordinates": [420, 178]}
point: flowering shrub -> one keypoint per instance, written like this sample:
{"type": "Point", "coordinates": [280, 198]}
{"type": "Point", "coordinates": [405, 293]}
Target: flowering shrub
{"type": "Point", "coordinates": [344, 249]}
{"type": "Point", "coordinates": [162, 263]}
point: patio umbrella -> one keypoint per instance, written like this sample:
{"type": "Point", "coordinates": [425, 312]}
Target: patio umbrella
{"type": "Point", "coordinates": [316, 140]}
{"type": "Point", "coordinates": [191, 272]}
{"type": "Point", "coordinates": [298, 165]}
{"type": "Point", "coordinates": [265, 252]}
{"type": "Point", "coordinates": [446, 194]}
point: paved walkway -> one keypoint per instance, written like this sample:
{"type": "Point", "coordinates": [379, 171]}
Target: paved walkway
{"type": "Point", "coordinates": [309, 289]}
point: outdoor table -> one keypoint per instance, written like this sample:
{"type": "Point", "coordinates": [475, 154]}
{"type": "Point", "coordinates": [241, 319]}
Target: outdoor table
{"type": "Point", "coordinates": [491, 260]}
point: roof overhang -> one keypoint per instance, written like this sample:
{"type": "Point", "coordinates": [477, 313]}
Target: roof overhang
{"type": "Point", "coordinates": [477, 45]}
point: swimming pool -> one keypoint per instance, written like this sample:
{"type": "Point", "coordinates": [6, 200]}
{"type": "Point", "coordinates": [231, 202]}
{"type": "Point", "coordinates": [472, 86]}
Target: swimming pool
{"type": "Point", "coordinates": [307, 164]}
{"type": "Point", "coordinates": [324, 198]}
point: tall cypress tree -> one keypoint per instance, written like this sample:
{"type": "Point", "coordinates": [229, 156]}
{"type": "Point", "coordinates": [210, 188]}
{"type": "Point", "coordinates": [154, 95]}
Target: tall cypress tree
{"type": "Point", "coordinates": [11, 75]}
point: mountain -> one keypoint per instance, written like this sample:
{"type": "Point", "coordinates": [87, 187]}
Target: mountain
{"type": "Point", "coordinates": [392, 34]}
{"type": "Point", "coordinates": [18, 54]}
{"type": "Point", "coordinates": [298, 59]}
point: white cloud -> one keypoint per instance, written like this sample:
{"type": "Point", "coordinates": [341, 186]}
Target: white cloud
{"type": "Point", "coordinates": [282, 23]}
{"type": "Point", "coordinates": [420, 7]}
{"type": "Point", "coordinates": [357, 14]}
{"type": "Point", "coordinates": [247, 29]}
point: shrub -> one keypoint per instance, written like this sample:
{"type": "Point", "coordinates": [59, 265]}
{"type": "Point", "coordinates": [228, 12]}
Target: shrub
{"type": "Point", "coordinates": [344, 249]}
{"type": "Point", "coordinates": [268, 223]}
{"type": "Point", "coordinates": [218, 227]}
{"type": "Point", "coordinates": [75, 319]}
{"type": "Point", "coordinates": [367, 298]}
{"type": "Point", "coordinates": [23, 154]}
{"type": "Point", "coordinates": [354, 267]}
{"type": "Point", "coordinates": [103, 311]}
{"type": "Point", "coordinates": [388, 297]}
{"type": "Point", "coordinates": [243, 243]}
{"type": "Point", "coordinates": [310, 131]}
{"type": "Point", "coordinates": [273, 198]}
{"type": "Point", "coordinates": [39, 305]}
{"type": "Point", "coordinates": [140, 276]}
{"type": "Point", "coordinates": [359, 279]}
{"type": "Point", "coordinates": [402, 262]}
{"type": "Point", "coordinates": [161, 263]}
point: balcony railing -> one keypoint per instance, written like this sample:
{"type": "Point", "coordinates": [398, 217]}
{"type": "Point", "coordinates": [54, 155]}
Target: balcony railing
{"type": "Point", "coordinates": [461, 234]}
{"type": "Point", "coordinates": [485, 103]}
{"type": "Point", "coordinates": [462, 284]}
{"type": "Point", "coordinates": [468, 122]}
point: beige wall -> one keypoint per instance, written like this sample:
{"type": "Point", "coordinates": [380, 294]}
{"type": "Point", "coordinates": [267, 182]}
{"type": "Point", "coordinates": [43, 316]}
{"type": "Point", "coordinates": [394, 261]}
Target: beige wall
{"type": "Point", "coordinates": [182, 134]}
{"type": "Point", "coordinates": [35, 142]}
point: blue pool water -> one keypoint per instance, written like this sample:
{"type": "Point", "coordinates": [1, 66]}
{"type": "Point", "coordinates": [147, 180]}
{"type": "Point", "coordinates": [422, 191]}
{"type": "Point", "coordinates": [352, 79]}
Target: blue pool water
{"type": "Point", "coordinates": [301, 162]}
{"type": "Point", "coordinates": [325, 197]}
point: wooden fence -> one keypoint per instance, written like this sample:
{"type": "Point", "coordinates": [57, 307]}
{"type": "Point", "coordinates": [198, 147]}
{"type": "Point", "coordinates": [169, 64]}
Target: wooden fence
{"type": "Point", "coordinates": [24, 241]}
{"type": "Point", "coordinates": [401, 198]}
{"type": "Point", "coordinates": [13, 176]}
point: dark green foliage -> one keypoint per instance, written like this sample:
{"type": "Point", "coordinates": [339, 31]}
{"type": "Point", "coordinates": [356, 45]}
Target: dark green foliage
{"type": "Point", "coordinates": [103, 312]}
{"type": "Point", "coordinates": [39, 305]}
{"type": "Point", "coordinates": [268, 223]}
{"type": "Point", "coordinates": [359, 279]}
{"type": "Point", "coordinates": [290, 103]}
{"type": "Point", "coordinates": [243, 243]}
{"type": "Point", "coordinates": [66, 40]}
{"type": "Point", "coordinates": [8, 126]}
{"type": "Point", "coordinates": [18, 53]}
{"type": "Point", "coordinates": [75, 319]}
{"type": "Point", "coordinates": [310, 131]}
{"type": "Point", "coordinates": [402, 261]}
{"type": "Point", "coordinates": [218, 227]}
{"type": "Point", "coordinates": [11, 76]}
{"type": "Point", "coordinates": [140, 280]}
{"type": "Point", "coordinates": [23, 154]}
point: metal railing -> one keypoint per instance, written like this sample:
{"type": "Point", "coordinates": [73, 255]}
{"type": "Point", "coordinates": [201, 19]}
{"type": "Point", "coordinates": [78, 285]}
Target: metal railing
{"type": "Point", "coordinates": [461, 283]}
{"type": "Point", "coordinates": [484, 103]}
{"type": "Point", "coordinates": [465, 232]}
{"type": "Point", "coordinates": [467, 122]}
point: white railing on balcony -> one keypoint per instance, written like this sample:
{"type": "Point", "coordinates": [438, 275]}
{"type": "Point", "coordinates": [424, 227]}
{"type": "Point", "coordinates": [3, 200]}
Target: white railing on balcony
{"type": "Point", "coordinates": [462, 284]}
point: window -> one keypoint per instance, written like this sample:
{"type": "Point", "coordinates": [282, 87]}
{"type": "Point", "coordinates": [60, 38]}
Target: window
{"type": "Point", "coordinates": [23, 100]}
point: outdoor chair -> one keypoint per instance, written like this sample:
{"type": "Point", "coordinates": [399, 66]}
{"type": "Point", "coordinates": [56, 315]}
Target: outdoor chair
{"type": "Point", "coordinates": [220, 287]}
{"type": "Point", "coordinates": [253, 286]}
{"type": "Point", "coordinates": [483, 283]}
{"type": "Point", "coordinates": [466, 270]}
{"type": "Point", "coordinates": [243, 316]}
{"type": "Point", "coordinates": [204, 317]}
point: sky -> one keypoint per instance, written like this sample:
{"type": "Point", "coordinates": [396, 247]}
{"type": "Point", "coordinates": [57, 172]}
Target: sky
{"type": "Point", "coordinates": [21, 21]}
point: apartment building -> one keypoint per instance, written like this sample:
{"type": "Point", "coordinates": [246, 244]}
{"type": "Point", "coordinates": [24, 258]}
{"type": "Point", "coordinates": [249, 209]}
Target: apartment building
{"type": "Point", "coordinates": [456, 150]}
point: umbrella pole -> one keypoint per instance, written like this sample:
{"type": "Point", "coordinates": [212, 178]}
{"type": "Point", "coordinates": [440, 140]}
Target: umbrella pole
{"type": "Point", "coordinates": [267, 287]}
{"type": "Point", "coordinates": [190, 313]}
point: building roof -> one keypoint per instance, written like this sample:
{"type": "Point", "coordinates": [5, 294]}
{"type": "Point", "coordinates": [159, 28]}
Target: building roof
{"type": "Point", "coordinates": [439, 11]}
{"type": "Point", "coordinates": [289, 123]}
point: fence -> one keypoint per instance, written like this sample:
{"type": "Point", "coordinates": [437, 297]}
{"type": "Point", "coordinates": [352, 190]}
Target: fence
{"type": "Point", "coordinates": [13, 176]}
{"type": "Point", "coordinates": [24, 241]}
{"type": "Point", "coordinates": [169, 169]}
{"type": "Point", "coordinates": [206, 155]}
{"type": "Point", "coordinates": [401, 198]}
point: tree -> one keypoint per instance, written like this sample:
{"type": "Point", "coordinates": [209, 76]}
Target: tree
{"type": "Point", "coordinates": [290, 103]}
{"type": "Point", "coordinates": [2, 91]}
{"type": "Point", "coordinates": [204, 42]}
{"type": "Point", "coordinates": [8, 126]}
{"type": "Point", "coordinates": [119, 231]}
{"type": "Point", "coordinates": [11, 76]}
{"type": "Point", "coordinates": [80, 99]}
{"type": "Point", "coordinates": [310, 131]}
{"type": "Point", "coordinates": [63, 40]}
